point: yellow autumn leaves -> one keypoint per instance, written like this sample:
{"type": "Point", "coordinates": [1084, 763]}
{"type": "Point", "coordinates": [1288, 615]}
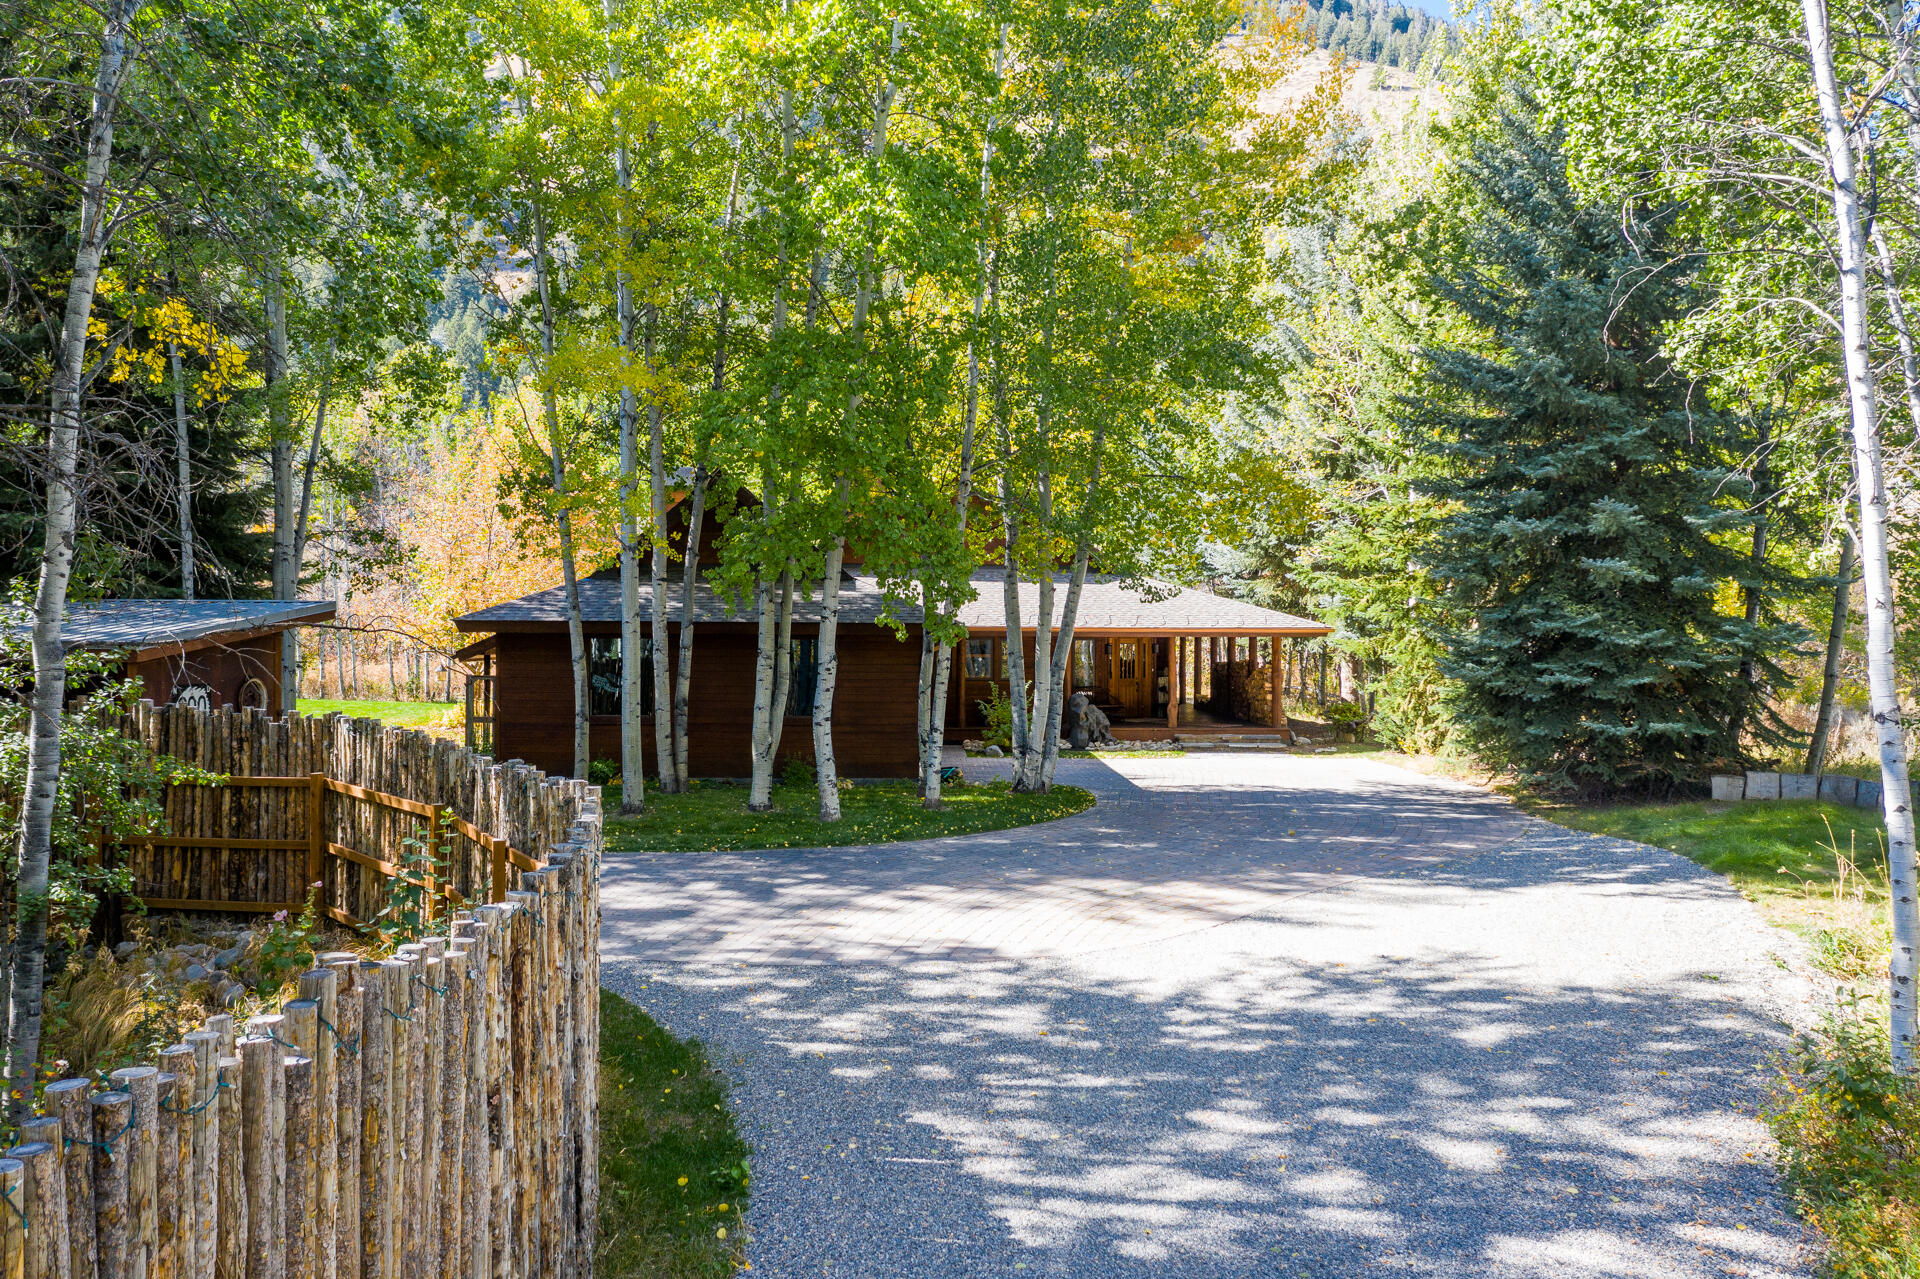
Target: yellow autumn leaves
{"type": "Point", "coordinates": [169, 324]}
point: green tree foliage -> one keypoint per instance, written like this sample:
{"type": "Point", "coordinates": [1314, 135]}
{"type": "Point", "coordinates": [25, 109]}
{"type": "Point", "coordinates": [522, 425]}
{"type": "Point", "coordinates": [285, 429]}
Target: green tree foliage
{"type": "Point", "coordinates": [1593, 511]}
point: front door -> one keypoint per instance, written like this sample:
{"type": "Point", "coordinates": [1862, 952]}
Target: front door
{"type": "Point", "coordinates": [1130, 682]}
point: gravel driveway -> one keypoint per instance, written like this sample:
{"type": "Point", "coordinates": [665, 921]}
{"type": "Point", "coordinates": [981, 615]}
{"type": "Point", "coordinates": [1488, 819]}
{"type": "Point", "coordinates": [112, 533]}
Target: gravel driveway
{"type": "Point", "coordinates": [1254, 1014]}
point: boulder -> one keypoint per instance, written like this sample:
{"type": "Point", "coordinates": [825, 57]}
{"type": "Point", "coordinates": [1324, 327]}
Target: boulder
{"type": "Point", "coordinates": [994, 752]}
{"type": "Point", "coordinates": [1087, 724]}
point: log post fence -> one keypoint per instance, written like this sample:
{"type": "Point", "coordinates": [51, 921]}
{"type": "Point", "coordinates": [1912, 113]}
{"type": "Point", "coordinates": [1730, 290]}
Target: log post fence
{"type": "Point", "coordinates": [431, 1113]}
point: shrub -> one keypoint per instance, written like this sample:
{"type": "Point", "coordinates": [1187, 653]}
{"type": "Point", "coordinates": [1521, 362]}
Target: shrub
{"type": "Point", "coordinates": [1347, 714]}
{"type": "Point", "coordinates": [603, 772]}
{"type": "Point", "coordinates": [997, 711]}
{"type": "Point", "coordinates": [1849, 1133]}
{"type": "Point", "coordinates": [798, 774]}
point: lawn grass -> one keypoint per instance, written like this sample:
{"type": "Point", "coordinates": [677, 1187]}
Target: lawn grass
{"type": "Point", "coordinates": [1815, 867]}
{"type": "Point", "coordinates": [713, 816]}
{"type": "Point", "coordinates": [398, 714]}
{"type": "Point", "coordinates": [673, 1168]}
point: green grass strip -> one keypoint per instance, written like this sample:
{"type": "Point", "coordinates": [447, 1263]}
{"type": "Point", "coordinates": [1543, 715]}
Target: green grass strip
{"type": "Point", "coordinates": [673, 1167]}
{"type": "Point", "coordinates": [713, 816]}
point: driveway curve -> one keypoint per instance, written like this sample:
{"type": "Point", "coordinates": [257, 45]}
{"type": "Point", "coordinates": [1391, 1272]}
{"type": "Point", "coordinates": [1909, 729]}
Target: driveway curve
{"type": "Point", "coordinates": [1253, 1014]}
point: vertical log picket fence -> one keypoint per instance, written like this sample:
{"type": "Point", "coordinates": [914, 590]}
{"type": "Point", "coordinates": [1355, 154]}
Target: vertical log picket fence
{"type": "Point", "coordinates": [429, 1114]}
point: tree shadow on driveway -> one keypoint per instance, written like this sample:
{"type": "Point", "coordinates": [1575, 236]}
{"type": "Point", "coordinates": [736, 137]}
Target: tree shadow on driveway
{"type": "Point", "coordinates": [1534, 1057]}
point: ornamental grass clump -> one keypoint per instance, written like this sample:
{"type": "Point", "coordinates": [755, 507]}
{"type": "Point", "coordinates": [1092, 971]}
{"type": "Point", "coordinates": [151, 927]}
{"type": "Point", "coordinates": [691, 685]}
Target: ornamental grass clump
{"type": "Point", "coordinates": [1849, 1134]}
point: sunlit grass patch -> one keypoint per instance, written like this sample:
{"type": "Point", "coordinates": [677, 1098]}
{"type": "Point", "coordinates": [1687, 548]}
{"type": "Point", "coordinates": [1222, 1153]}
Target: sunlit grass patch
{"type": "Point", "coordinates": [674, 1178]}
{"type": "Point", "coordinates": [713, 816]}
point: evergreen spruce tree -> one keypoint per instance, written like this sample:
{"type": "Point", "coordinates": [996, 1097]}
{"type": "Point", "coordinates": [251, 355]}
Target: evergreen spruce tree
{"type": "Point", "coordinates": [1596, 511]}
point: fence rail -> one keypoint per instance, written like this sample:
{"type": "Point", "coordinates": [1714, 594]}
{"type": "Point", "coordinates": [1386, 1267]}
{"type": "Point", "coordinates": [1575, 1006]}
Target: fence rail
{"type": "Point", "coordinates": [429, 1114]}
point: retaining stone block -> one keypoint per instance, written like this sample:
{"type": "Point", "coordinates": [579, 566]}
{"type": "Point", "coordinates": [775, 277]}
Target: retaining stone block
{"type": "Point", "coordinates": [1867, 795]}
{"type": "Point", "coordinates": [1838, 788]}
{"type": "Point", "coordinates": [1799, 786]}
{"type": "Point", "coordinates": [1729, 788]}
{"type": "Point", "coordinates": [1763, 786]}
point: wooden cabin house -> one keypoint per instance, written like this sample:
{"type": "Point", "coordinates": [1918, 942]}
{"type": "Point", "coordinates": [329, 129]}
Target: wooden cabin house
{"type": "Point", "coordinates": [1162, 660]}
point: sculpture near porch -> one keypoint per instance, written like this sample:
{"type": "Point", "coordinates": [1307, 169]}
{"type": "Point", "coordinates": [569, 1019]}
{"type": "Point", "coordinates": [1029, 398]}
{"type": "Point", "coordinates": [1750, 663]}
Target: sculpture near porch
{"type": "Point", "coordinates": [1087, 724]}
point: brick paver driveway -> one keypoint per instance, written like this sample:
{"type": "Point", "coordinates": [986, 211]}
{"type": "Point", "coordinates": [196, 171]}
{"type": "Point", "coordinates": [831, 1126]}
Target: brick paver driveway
{"type": "Point", "coordinates": [1252, 1015]}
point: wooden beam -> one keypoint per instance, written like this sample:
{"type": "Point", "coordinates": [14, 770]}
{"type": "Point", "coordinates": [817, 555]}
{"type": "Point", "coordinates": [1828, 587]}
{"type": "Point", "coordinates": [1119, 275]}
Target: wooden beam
{"type": "Point", "coordinates": [1277, 715]}
{"type": "Point", "coordinates": [1173, 681]}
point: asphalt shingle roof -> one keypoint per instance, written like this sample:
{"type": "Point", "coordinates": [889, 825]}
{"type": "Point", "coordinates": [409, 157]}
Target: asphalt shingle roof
{"type": "Point", "coordinates": [1105, 604]}
{"type": "Point", "coordinates": [144, 623]}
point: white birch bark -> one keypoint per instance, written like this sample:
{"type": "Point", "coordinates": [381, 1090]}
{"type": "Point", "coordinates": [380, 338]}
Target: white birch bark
{"type": "Point", "coordinates": [826, 770]}
{"type": "Point", "coordinates": [662, 652]}
{"type": "Point", "coordinates": [633, 765]}
{"type": "Point", "coordinates": [182, 470]}
{"type": "Point", "coordinates": [286, 570]}
{"type": "Point", "coordinates": [1870, 482]}
{"type": "Point", "coordinates": [563, 514]}
{"type": "Point", "coordinates": [760, 787]}
{"type": "Point", "coordinates": [689, 579]}
{"type": "Point", "coordinates": [27, 969]}
{"type": "Point", "coordinates": [936, 674]}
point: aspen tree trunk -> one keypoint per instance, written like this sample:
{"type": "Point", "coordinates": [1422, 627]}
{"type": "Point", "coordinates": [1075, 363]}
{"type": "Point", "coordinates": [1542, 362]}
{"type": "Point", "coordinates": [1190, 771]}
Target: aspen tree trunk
{"type": "Point", "coordinates": [286, 570]}
{"type": "Point", "coordinates": [1010, 591]}
{"type": "Point", "coordinates": [766, 716]}
{"type": "Point", "coordinates": [1870, 481]}
{"type": "Point", "coordinates": [1836, 645]}
{"type": "Point", "coordinates": [1057, 674]}
{"type": "Point", "coordinates": [563, 514]}
{"type": "Point", "coordinates": [657, 627]}
{"type": "Point", "coordinates": [826, 643]}
{"type": "Point", "coordinates": [27, 969]}
{"type": "Point", "coordinates": [183, 471]}
{"type": "Point", "coordinates": [760, 788]}
{"type": "Point", "coordinates": [936, 674]}
{"type": "Point", "coordinates": [826, 772]}
{"type": "Point", "coordinates": [633, 765]}
{"type": "Point", "coordinates": [1897, 314]}
{"type": "Point", "coordinates": [689, 579]}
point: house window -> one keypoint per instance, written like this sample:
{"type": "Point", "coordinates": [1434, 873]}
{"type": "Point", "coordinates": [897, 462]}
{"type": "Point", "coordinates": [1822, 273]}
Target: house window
{"type": "Point", "coordinates": [1127, 660]}
{"type": "Point", "coordinates": [604, 675]}
{"type": "Point", "coordinates": [1083, 663]}
{"type": "Point", "coordinates": [803, 676]}
{"type": "Point", "coordinates": [979, 659]}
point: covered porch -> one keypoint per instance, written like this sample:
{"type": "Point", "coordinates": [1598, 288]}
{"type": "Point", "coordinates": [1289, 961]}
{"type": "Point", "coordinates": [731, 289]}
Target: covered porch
{"type": "Point", "coordinates": [1161, 661]}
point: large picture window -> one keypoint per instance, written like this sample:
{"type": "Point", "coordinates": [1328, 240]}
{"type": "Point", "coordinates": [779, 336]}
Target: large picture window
{"type": "Point", "coordinates": [979, 659]}
{"type": "Point", "coordinates": [803, 677]}
{"type": "Point", "coordinates": [604, 675]}
{"type": "Point", "coordinates": [1083, 663]}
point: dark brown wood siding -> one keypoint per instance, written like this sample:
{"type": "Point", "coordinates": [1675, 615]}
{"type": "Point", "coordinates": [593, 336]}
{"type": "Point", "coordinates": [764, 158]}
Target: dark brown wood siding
{"type": "Point", "coordinates": [222, 669]}
{"type": "Point", "coordinates": [875, 721]}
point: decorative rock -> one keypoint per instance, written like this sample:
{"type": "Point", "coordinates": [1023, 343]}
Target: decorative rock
{"type": "Point", "coordinates": [228, 958]}
{"type": "Point", "coordinates": [1763, 785]}
{"type": "Point", "coordinates": [1729, 789]}
{"type": "Point", "coordinates": [1087, 724]}
{"type": "Point", "coordinates": [1798, 786]}
{"type": "Point", "coordinates": [1838, 788]}
{"type": "Point", "coordinates": [126, 950]}
{"type": "Point", "coordinates": [196, 972]}
{"type": "Point", "coordinates": [994, 752]}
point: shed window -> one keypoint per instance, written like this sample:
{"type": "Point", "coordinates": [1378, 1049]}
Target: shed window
{"type": "Point", "coordinates": [604, 675]}
{"type": "Point", "coordinates": [803, 676]}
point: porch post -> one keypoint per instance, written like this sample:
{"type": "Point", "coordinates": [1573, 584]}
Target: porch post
{"type": "Point", "coordinates": [1173, 681]}
{"type": "Point", "coordinates": [1278, 715]}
